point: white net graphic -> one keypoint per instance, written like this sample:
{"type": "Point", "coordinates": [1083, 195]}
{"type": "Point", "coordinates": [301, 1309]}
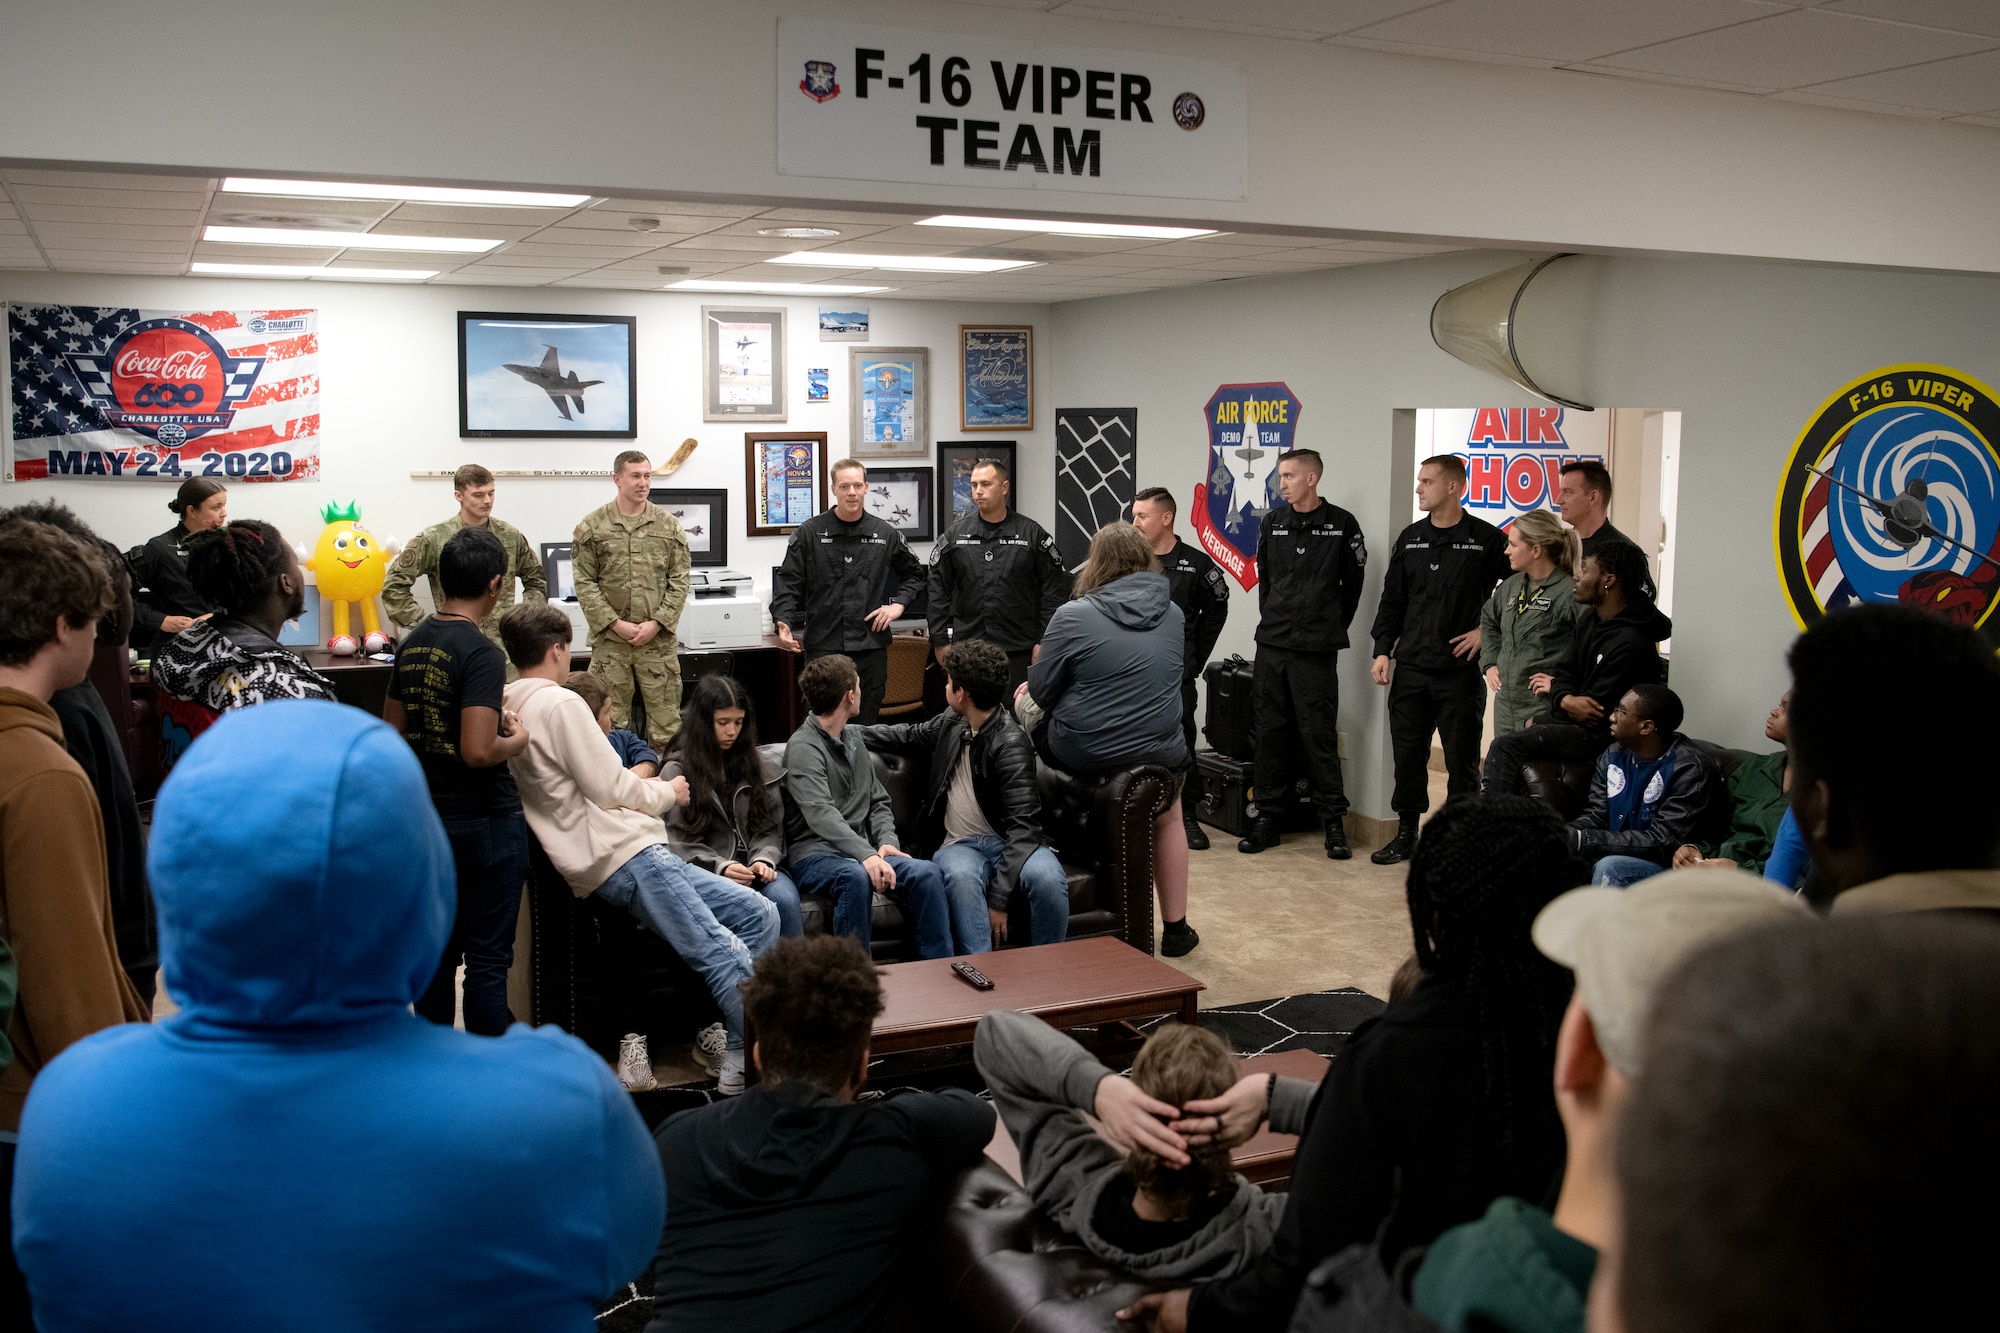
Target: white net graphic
{"type": "Point", "coordinates": [1095, 475]}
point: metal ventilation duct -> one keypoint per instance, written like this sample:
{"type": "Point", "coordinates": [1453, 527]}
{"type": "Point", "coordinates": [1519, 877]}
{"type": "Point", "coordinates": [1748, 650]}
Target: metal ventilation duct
{"type": "Point", "coordinates": [1495, 324]}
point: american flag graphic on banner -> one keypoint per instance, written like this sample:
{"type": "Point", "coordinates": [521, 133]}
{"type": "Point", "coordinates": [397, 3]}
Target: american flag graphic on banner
{"type": "Point", "coordinates": [142, 395]}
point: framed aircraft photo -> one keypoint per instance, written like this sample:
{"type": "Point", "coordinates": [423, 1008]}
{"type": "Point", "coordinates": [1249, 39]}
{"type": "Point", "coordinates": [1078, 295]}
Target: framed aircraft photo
{"type": "Point", "coordinates": [901, 497]}
{"type": "Point", "coordinates": [531, 377]}
{"type": "Point", "coordinates": [704, 517]}
{"type": "Point", "coordinates": [742, 363]}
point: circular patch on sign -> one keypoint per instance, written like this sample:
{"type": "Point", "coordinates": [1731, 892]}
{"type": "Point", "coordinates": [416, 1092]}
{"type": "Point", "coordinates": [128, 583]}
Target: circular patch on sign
{"type": "Point", "coordinates": [1892, 495]}
{"type": "Point", "coordinates": [1189, 113]}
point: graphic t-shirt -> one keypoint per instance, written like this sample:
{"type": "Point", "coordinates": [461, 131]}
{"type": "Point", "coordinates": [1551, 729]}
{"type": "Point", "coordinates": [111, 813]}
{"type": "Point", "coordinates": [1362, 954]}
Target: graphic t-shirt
{"type": "Point", "coordinates": [442, 668]}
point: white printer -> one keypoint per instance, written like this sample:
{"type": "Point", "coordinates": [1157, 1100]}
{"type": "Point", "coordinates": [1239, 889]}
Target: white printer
{"type": "Point", "coordinates": [721, 612]}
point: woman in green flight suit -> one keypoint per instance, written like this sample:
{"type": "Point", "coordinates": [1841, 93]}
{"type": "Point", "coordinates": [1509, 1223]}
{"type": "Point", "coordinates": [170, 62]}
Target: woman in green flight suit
{"type": "Point", "coordinates": [1526, 625]}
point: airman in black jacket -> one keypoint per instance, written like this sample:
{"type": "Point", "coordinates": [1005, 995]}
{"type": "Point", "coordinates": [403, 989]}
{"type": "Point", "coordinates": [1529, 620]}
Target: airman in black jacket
{"type": "Point", "coordinates": [1202, 594]}
{"type": "Point", "coordinates": [995, 575]}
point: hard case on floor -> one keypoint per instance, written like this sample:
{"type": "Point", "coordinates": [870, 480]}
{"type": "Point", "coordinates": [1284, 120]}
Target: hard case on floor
{"type": "Point", "coordinates": [1230, 722]}
{"type": "Point", "coordinates": [1227, 797]}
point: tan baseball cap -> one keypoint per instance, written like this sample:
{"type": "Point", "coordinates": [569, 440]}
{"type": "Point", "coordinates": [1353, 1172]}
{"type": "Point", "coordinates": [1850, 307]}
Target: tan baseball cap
{"type": "Point", "coordinates": [1621, 943]}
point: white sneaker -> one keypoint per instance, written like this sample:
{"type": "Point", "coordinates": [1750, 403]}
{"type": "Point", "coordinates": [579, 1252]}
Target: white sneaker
{"type": "Point", "coordinates": [635, 1067]}
{"type": "Point", "coordinates": [730, 1082]}
{"type": "Point", "coordinates": [709, 1043]}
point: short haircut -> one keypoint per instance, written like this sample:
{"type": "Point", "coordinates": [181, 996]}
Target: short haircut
{"type": "Point", "coordinates": [469, 562]}
{"type": "Point", "coordinates": [50, 574]}
{"type": "Point", "coordinates": [1594, 475]}
{"type": "Point", "coordinates": [1626, 563]}
{"type": "Point", "coordinates": [812, 1002]}
{"type": "Point", "coordinates": [115, 625]}
{"type": "Point", "coordinates": [590, 688]}
{"type": "Point", "coordinates": [1898, 711]}
{"type": "Point", "coordinates": [1182, 1063]}
{"type": "Point", "coordinates": [1158, 495]}
{"type": "Point", "coordinates": [194, 493]}
{"type": "Point", "coordinates": [1006, 473]}
{"type": "Point", "coordinates": [472, 474]}
{"type": "Point", "coordinates": [825, 681]}
{"type": "Point", "coordinates": [624, 460]}
{"type": "Point", "coordinates": [841, 465]}
{"type": "Point", "coordinates": [1810, 1142]}
{"type": "Point", "coordinates": [980, 668]}
{"type": "Point", "coordinates": [1308, 456]}
{"type": "Point", "coordinates": [1660, 706]}
{"type": "Point", "coordinates": [232, 566]}
{"type": "Point", "coordinates": [1452, 466]}
{"type": "Point", "coordinates": [529, 630]}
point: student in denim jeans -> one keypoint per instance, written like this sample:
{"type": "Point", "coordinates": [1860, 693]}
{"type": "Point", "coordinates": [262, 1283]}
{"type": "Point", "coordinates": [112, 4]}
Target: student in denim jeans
{"type": "Point", "coordinates": [982, 805]}
{"type": "Point", "coordinates": [445, 697]}
{"type": "Point", "coordinates": [601, 827]}
{"type": "Point", "coordinates": [839, 832]}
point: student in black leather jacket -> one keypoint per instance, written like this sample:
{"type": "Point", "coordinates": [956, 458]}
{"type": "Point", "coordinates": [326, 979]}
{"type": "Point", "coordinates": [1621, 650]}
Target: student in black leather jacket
{"type": "Point", "coordinates": [982, 812]}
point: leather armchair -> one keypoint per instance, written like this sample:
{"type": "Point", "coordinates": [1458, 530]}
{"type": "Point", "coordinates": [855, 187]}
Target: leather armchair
{"type": "Point", "coordinates": [1565, 783]}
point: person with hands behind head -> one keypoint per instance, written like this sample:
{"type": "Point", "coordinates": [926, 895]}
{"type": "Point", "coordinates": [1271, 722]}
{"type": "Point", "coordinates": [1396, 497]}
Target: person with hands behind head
{"type": "Point", "coordinates": [445, 697]}
{"type": "Point", "coordinates": [164, 599]}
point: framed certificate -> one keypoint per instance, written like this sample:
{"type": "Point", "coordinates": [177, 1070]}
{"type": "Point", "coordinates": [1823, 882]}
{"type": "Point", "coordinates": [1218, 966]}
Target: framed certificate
{"type": "Point", "coordinates": [889, 402]}
{"type": "Point", "coordinates": [743, 363]}
{"type": "Point", "coordinates": [786, 480]}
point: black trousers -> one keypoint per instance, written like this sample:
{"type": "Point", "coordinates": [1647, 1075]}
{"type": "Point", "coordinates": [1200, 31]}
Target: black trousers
{"type": "Point", "coordinates": [872, 664]}
{"type": "Point", "coordinates": [1297, 701]}
{"type": "Point", "coordinates": [1192, 789]}
{"type": "Point", "coordinates": [1544, 740]}
{"type": "Point", "coordinates": [1452, 703]}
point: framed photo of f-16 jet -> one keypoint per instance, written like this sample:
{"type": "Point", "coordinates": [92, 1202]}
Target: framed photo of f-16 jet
{"type": "Point", "coordinates": [704, 517]}
{"type": "Point", "coordinates": [742, 363]}
{"type": "Point", "coordinates": [531, 377]}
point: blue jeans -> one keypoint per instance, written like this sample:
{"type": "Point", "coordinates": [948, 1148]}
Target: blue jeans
{"type": "Point", "coordinates": [968, 865]}
{"type": "Point", "coordinates": [1618, 872]}
{"type": "Point", "coordinates": [785, 895]}
{"type": "Point", "coordinates": [490, 856]}
{"type": "Point", "coordinates": [716, 926]}
{"type": "Point", "coordinates": [919, 888]}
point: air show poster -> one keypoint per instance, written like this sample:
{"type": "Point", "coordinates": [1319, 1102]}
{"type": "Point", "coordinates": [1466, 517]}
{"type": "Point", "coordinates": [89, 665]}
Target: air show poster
{"type": "Point", "coordinates": [1249, 425]}
{"type": "Point", "coordinates": [118, 394]}
{"type": "Point", "coordinates": [1513, 456]}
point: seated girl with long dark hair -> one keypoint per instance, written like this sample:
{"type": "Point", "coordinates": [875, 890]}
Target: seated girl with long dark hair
{"type": "Point", "coordinates": [732, 824]}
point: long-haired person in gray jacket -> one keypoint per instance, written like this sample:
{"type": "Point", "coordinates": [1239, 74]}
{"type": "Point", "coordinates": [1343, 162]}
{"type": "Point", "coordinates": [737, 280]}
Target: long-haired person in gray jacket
{"type": "Point", "coordinates": [1107, 679]}
{"type": "Point", "coordinates": [733, 822]}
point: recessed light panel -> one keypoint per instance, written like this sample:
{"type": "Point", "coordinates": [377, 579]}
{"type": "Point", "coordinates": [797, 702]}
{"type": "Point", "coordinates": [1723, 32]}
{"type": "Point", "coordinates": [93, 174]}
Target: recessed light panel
{"type": "Point", "coordinates": [798, 233]}
{"type": "Point", "coordinates": [1055, 227]}
{"type": "Point", "coordinates": [345, 240]}
{"type": "Point", "coordinates": [899, 263]}
{"type": "Point", "coordinates": [421, 194]}
{"type": "Point", "coordinates": [310, 271]}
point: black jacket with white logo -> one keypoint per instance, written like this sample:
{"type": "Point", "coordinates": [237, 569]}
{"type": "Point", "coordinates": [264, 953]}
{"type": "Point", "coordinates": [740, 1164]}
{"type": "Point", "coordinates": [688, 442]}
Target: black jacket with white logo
{"type": "Point", "coordinates": [996, 581]}
{"type": "Point", "coordinates": [1309, 569]}
{"type": "Point", "coordinates": [836, 574]}
{"type": "Point", "coordinates": [1437, 583]}
{"type": "Point", "coordinates": [1202, 594]}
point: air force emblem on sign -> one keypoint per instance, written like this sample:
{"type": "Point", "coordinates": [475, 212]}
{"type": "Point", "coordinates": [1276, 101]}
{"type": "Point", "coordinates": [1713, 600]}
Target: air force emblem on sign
{"type": "Point", "coordinates": [818, 83]}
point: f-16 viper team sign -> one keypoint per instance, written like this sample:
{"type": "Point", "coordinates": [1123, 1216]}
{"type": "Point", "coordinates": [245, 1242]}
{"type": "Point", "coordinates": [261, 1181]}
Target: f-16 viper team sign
{"type": "Point", "coordinates": [142, 395]}
{"type": "Point", "coordinates": [861, 102]}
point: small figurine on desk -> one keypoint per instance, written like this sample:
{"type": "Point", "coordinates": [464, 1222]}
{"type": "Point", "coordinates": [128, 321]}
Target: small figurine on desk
{"type": "Point", "coordinates": [350, 564]}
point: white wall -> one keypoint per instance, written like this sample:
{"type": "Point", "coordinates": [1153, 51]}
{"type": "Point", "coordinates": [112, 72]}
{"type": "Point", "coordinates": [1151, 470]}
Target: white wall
{"type": "Point", "coordinates": [389, 404]}
{"type": "Point", "coordinates": [1746, 351]}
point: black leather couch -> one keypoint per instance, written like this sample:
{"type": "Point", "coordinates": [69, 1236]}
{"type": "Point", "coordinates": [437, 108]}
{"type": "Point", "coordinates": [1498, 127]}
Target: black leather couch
{"type": "Point", "coordinates": [1565, 783]}
{"type": "Point", "coordinates": [596, 972]}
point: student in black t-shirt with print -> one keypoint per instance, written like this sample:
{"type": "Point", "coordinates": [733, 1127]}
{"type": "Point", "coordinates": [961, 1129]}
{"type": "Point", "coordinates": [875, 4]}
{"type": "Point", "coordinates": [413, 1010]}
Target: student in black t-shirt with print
{"type": "Point", "coordinates": [444, 696]}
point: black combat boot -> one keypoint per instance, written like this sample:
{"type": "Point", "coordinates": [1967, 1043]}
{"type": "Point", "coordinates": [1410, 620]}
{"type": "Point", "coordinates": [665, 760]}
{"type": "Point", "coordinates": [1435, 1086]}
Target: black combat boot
{"type": "Point", "coordinates": [1197, 839]}
{"type": "Point", "coordinates": [1177, 938]}
{"type": "Point", "coordinates": [1401, 847]}
{"type": "Point", "coordinates": [1263, 833]}
{"type": "Point", "coordinates": [1336, 840]}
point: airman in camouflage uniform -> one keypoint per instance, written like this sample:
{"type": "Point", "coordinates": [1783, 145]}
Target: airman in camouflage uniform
{"type": "Point", "coordinates": [632, 581]}
{"type": "Point", "coordinates": [473, 486]}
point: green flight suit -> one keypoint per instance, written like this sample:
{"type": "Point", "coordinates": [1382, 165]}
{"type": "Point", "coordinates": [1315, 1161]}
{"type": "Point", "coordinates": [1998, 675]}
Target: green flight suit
{"type": "Point", "coordinates": [420, 557]}
{"type": "Point", "coordinates": [1525, 627]}
{"type": "Point", "coordinates": [636, 569]}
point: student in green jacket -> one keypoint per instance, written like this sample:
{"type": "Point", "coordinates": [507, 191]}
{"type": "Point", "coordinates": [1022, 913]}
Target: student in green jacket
{"type": "Point", "coordinates": [1527, 624]}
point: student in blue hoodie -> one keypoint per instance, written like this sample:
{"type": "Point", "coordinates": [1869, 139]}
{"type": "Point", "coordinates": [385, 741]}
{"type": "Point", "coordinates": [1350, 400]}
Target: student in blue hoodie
{"type": "Point", "coordinates": [295, 1147]}
{"type": "Point", "coordinates": [1654, 790]}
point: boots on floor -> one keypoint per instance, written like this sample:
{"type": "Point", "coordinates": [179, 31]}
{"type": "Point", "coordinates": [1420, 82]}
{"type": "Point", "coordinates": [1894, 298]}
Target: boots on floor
{"type": "Point", "coordinates": [1336, 841]}
{"type": "Point", "coordinates": [1177, 939]}
{"type": "Point", "coordinates": [1263, 833]}
{"type": "Point", "coordinates": [1197, 838]}
{"type": "Point", "coordinates": [1401, 847]}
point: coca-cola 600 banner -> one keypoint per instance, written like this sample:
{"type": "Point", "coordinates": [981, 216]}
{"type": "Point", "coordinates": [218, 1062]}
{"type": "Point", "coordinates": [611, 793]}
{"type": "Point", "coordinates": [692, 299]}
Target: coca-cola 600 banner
{"type": "Point", "coordinates": [142, 395]}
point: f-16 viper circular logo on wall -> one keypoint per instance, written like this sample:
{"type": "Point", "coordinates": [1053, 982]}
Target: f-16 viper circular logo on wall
{"type": "Point", "coordinates": [1892, 494]}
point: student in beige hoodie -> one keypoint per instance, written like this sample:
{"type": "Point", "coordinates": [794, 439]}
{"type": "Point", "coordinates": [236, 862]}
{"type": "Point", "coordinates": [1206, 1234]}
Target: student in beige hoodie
{"type": "Point", "coordinates": [601, 827]}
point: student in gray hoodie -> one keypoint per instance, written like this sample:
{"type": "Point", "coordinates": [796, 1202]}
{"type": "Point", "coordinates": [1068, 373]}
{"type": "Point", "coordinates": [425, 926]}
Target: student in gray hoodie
{"type": "Point", "coordinates": [1159, 1212]}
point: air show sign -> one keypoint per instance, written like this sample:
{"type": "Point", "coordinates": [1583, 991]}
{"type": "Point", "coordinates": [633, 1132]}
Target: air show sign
{"type": "Point", "coordinates": [862, 102]}
{"type": "Point", "coordinates": [1249, 425]}
{"type": "Point", "coordinates": [1892, 495]}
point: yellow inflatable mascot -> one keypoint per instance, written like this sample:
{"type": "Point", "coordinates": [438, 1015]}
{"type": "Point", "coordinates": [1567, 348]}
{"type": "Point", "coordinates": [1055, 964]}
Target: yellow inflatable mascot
{"type": "Point", "coordinates": [349, 564]}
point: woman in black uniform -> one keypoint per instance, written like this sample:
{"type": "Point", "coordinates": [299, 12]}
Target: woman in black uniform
{"type": "Point", "coordinates": [163, 600]}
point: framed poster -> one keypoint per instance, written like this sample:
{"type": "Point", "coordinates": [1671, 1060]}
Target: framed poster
{"type": "Point", "coordinates": [954, 475]}
{"type": "Point", "coordinates": [530, 377]}
{"type": "Point", "coordinates": [996, 377]}
{"type": "Point", "coordinates": [785, 480]}
{"type": "Point", "coordinates": [560, 568]}
{"type": "Point", "coordinates": [743, 363]}
{"type": "Point", "coordinates": [704, 517]}
{"type": "Point", "coordinates": [889, 402]}
{"type": "Point", "coordinates": [901, 497]}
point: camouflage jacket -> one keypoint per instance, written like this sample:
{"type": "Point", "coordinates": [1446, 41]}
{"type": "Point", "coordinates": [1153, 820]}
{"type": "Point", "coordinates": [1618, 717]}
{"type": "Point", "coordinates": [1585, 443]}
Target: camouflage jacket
{"type": "Point", "coordinates": [632, 568]}
{"type": "Point", "coordinates": [420, 557]}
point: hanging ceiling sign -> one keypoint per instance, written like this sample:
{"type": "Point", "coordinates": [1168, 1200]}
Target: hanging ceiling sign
{"type": "Point", "coordinates": [860, 102]}
{"type": "Point", "coordinates": [1892, 494]}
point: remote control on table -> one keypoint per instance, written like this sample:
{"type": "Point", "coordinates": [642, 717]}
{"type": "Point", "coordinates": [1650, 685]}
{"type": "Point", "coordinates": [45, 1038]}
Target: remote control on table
{"type": "Point", "coordinates": [972, 976]}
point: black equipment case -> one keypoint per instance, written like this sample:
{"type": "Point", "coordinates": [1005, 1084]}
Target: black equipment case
{"type": "Point", "coordinates": [1226, 801]}
{"type": "Point", "coordinates": [1230, 722]}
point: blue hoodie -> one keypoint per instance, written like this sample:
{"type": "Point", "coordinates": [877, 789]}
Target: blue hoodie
{"type": "Point", "coordinates": [294, 1147]}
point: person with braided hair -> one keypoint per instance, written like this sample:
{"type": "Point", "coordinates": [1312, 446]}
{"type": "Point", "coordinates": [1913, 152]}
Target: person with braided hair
{"type": "Point", "coordinates": [245, 570]}
{"type": "Point", "coordinates": [1438, 1106]}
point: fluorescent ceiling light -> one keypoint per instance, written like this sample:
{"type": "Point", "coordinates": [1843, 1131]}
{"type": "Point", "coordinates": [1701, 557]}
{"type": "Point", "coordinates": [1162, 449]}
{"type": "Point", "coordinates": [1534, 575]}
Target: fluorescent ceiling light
{"type": "Point", "coordinates": [1053, 227]}
{"type": "Point", "coordinates": [772, 288]}
{"type": "Point", "coordinates": [420, 194]}
{"type": "Point", "coordinates": [900, 263]}
{"type": "Point", "coordinates": [311, 271]}
{"type": "Point", "coordinates": [345, 240]}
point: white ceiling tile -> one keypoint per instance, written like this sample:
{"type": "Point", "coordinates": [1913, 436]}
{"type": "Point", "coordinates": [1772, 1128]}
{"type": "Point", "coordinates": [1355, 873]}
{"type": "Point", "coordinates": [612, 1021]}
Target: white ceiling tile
{"type": "Point", "coordinates": [484, 231]}
{"type": "Point", "coordinates": [493, 278]}
{"type": "Point", "coordinates": [470, 215]}
{"type": "Point", "coordinates": [1310, 19]}
{"type": "Point", "coordinates": [1976, 120]}
{"type": "Point", "coordinates": [1975, 16]}
{"type": "Point", "coordinates": [607, 279]}
{"type": "Point", "coordinates": [1966, 85]}
{"type": "Point", "coordinates": [681, 224]}
{"type": "Point", "coordinates": [1812, 97]}
{"type": "Point", "coordinates": [111, 230]}
{"type": "Point", "coordinates": [848, 230]}
{"type": "Point", "coordinates": [243, 210]}
{"type": "Point", "coordinates": [749, 245]}
{"type": "Point", "coordinates": [110, 245]}
{"type": "Point", "coordinates": [575, 255]}
{"type": "Point", "coordinates": [1794, 49]}
{"type": "Point", "coordinates": [109, 180]}
{"type": "Point", "coordinates": [90, 263]}
{"type": "Point", "coordinates": [185, 218]}
{"type": "Point", "coordinates": [504, 260]}
{"type": "Point", "coordinates": [651, 207]}
{"type": "Point", "coordinates": [811, 215]}
{"type": "Point", "coordinates": [29, 196]}
{"type": "Point", "coordinates": [223, 253]}
{"type": "Point", "coordinates": [1559, 30]}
